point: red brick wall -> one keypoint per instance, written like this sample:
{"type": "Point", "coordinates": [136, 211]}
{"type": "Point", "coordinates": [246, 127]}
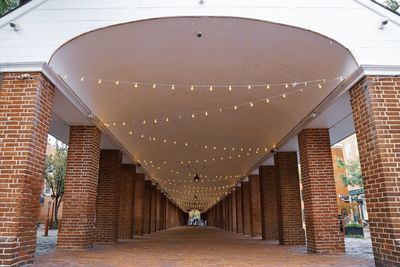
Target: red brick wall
{"type": "Point", "coordinates": [25, 113]}
{"type": "Point", "coordinates": [376, 108]}
{"type": "Point", "coordinates": [234, 220]}
{"type": "Point", "coordinates": [153, 208]}
{"type": "Point", "coordinates": [319, 192]}
{"type": "Point", "coordinates": [255, 209]}
{"type": "Point", "coordinates": [126, 205]}
{"type": "Point", "coordinates": [239, 210]}
{"type": "Point", "coordinates": [108, 194]}
{"type": "Point", "coordinates": [246, 208]}
{"type": "Point", "coordinates": [268, 201]}
{"type": "Point", "coordinates": [147, 208]}
{"type": "Point", "coordinates": [138, 215]}
{"type": "Point", "coordinates": [290, 224]}
{"type": "Point", "coordinates": [80, 189]}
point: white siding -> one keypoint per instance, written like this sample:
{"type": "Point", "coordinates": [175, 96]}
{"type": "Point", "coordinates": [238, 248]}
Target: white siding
{"type": "Point", "coordinates": [54, 22]}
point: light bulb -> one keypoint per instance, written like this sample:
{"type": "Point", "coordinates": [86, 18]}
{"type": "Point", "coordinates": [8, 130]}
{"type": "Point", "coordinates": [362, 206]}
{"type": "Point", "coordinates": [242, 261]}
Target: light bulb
{"type": "Point", "coordinates": [82, 79]}
{"type": "Point", "coordinates": [268, 86]}
{"type": "Point", "coordinates": [286, 85]}
{"type": "Point", "coordinates": [230, 88]}
{"type": "Point", "coordinates": [193, 116]}
{"type": "Point", "coordinates": [249, 87]}
{"type": "Point", "coordinates": [154, 85]}
{"type": "Point", "coordinates": [144, 121]}
{"type": "Point", "coordinates": [99, 81]}
{"type": "Point", "coordinates": [284, 95]}
{"type": "Point", "coordinates": [206, 113]}
{"type": "Point", "coordinates": [130, 133]}
{"type": "Point", "coordinates": [155, 120]}
{"type": "Point", "coordinates": [173, 87]}
{"type": "Point", "coordinates": [319, 86]}
{"type": "Point", "coordinates": [117, 82]}
{"type": "Point", "coordinates": [167, 120]}
{"type": "Point", "coordinates": [267, 100]}
{"type": "Point", "coordinates": [235, 107]}
{"type": "Point", "coordinates": [211, 88]}
{"type": "Point", "coordinates": [191, 88]}
{"type": "Point", "coordinates": [251, 104]}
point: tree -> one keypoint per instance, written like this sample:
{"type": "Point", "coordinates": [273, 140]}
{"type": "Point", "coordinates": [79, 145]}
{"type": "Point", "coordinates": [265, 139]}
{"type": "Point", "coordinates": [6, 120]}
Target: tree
{"type": "Point", "coordinates": [7, 5]}
{"type": "Point", "coordinates": [353, 170]}
{"type": "Point", "coordinates": [54, 175]}
{"type": "Point", "coordinates": [392, 4]}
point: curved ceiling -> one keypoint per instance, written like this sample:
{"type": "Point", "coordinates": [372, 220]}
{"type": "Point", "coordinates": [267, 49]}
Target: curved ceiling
{"type": "Point", "coordinates": [231, 51]}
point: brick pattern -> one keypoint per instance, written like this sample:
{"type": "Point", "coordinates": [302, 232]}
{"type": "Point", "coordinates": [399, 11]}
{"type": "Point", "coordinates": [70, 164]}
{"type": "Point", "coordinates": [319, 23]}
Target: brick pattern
{"type": "Point", "coordinates": [138, 214]}
{"type": "Point", "coordinates": [234, 222]}
{"type": "Point", "coordinates": [126, 205]}
{"type": "Point", "coordinates": [80, 189]}
{"type": "Point", "coordinates": [158, 209]}
{"type": "Point", "coordinates": [153, 209]}
{"type": "Point", "coordinates": [376, 106]}
{"type": "Point", "coordinates": [246, 208]}
{"type": "Point", "coordinates": [108, 194]}
{"type": "Point", "coordinates": [25, 113]}
{"type": "Point", "coordinates": [147, 208]}
{"type": "Point", "coordinates": [319, 192]}
{"type": "Point", "coordinates": [268, 201]}
{"type": "Point", "coordinates": [239, 210]}
{"type": "Point", "coordinates": [255, 208]}
{"type": "Point", "coordinates": [290, 226]}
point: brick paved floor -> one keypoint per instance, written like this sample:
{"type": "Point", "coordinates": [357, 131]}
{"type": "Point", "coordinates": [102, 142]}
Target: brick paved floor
{"type": "Point", "coordinates": [197, 246]}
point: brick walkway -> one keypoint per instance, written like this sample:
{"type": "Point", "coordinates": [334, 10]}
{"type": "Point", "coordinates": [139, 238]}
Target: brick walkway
{"type": "Point", "coordinates": [197, 246]}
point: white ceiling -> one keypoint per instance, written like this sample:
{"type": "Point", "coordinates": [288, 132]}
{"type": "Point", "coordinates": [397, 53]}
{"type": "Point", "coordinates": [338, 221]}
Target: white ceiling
{"type": "Point", "coordinates": [232, 51]}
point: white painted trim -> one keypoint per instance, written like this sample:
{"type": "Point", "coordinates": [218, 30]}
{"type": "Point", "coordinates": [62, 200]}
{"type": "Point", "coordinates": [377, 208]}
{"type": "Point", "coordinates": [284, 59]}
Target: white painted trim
{"type": "Point", "coordinates": [346, 85]}
{"type": "Point", "coordinates": [395, 19]}
{"type": "Point", "coordinates": [20, 12]}
{"type": "Point", "coordinates": [59, 83]}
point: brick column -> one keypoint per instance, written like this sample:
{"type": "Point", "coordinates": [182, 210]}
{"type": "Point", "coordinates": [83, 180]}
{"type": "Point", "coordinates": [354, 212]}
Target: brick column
{"type": "Point", "coordinates": [268, 201]}
{"type": "Point", "coordinates": [239, 210]}
{"type": "Point", "coordinates": [80, 189]}
{"type": "Point", "coordinates": [246, 208]}
{"type": "Point", "coordinates": [319, 192]}
{"type": "Point", "coordinates": [234, 219]}
{"type": "Point", "coordinates": [138, 205]}
{"type": "Point", "coordinates": [153, 209]}
{"type": "Point", "coordinates": [376, 103]}
{"type": "Point", "coordinates": [108, 194]}
{"type": "Point", "coordinates": [290, 224]}
{"type": "Point", "coordinates": [255, 209]}
{"type": "Point", "coordinates": [230, 212]}
{"type": "Point", "coordinates": [25, 113]}
{"type": "Point", "coordinates": [147, 208]}
{"type": "Point", "coordinates": [126, 201]}
{"type": "Point", "coordinates": [158, 210]}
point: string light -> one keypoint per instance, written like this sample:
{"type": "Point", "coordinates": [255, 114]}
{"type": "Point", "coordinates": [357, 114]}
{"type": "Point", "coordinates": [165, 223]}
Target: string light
{"type": "Point", "coordinates": [172, 86]}
{"type": "Point", "coordinates": [99, 82]}
{"type": "Point", "coordinates": [116, 83]}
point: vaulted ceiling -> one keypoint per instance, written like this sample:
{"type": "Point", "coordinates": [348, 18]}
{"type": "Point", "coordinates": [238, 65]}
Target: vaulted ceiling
{"type": "Point", "coordinates": [174, 99]}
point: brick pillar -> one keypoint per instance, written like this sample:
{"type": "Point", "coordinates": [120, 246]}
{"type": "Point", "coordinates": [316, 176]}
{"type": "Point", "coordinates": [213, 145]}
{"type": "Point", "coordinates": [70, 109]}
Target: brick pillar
{"type": "Point", "coordinates": [246, 208]}
{"type": "Point", "coordinates": [319, 192]}
{"type": "Point", "coordinates": [268, 201]}
{"type": "Point", "coordinates": [230, 212]}
{"type": "Point", "coordinates": [234, 220]}
{"type": "Point", "coordinates": [376, 103]}
{"type": "Point", "coordinates": [108, 194]}
{"type": "Point", "coordinates": [147, 208]}
{"type": "Point", "coordinates": [138, 205]}
{"type": "Point", "coordinates": [25, 113]}
{"type": "Point", "coordinates": [290, 224]}
{"type": "Point", "coordinates": [80, 189]}
{"type": "Point", "coordinates": [153, 208]}
{"type": "Point", "coordinates": [239, 210]}
{"type": "Point", "coordinates": [158, 210]}
{"type": "Point", "coordinates": [126, 201]}
{"type": "Point", "coordinates": [255, 209]}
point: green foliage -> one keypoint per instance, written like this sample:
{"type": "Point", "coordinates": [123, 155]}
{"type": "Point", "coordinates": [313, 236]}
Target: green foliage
{"type": "Point", "coordinates": [392, 4]}
{"type": "Point", "coordinates": [353, 170]}
{"type": "Point", "coordinates": [354, 225]}
{"type": "Point", "coordinates": [7, 5]}
{"type": "Point", "coordinates": [54, 174]}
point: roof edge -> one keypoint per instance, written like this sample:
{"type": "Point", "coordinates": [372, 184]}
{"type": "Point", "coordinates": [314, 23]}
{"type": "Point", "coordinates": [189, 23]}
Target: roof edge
{"type": "Point", "coordinates": [20, 12]}
{"type": "Point", "coordinates": [379, 10]}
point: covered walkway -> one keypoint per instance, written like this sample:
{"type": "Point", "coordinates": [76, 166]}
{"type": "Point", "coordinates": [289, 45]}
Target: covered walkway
{"type": "Point", "coordinates": [197, 246]}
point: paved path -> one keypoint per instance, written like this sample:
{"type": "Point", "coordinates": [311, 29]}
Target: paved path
{"type": "Point", "coordinates": [197, 246]}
